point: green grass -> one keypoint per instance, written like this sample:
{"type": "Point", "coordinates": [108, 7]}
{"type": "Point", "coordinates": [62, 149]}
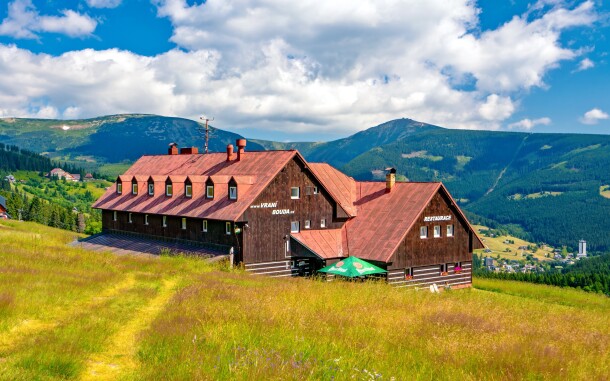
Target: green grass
{"type": "Point", "coordinates": [66, 313]}
{"type": "Point", "coordinates": [113, 170]}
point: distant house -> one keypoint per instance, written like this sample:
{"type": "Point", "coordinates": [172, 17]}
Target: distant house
{"type": "Point", "coordinates": [88, 177]}
{"type": "Point", "coordinates": [10, 179]}
{"type": "Point", "coordinates": [61, 174]}
{"type": "Point", "coordinates": [3, 214]}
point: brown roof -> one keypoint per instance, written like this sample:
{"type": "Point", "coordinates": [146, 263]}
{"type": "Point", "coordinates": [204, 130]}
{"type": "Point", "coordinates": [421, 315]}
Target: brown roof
{"type": "Point", "coordinates": [326, 243]}
{"type": "Point", "coordinates": [253, 173]}
{"type": "Point", "coordinates": [340, 186]}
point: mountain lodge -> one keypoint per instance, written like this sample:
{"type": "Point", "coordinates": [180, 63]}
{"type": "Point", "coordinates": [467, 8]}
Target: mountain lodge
{"type": "Point", "coordinates": [282, 216]}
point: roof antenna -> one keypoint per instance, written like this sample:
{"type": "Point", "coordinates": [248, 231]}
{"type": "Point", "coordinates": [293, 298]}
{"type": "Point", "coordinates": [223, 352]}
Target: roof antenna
{"type": "Point", "coordinates": [206, 131]}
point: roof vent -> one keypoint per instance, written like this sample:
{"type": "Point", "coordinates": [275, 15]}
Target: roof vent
{"type": "Point", "coordinates": [229, 152]}
{"type": "Point", "coordinates": [390, 179]}
{"type": "Point", "coordinates": [241, 147]}
{"type": "Point", "coordinates": [173, 149]}
{"type": "Point", "coordinates": [189, 151]}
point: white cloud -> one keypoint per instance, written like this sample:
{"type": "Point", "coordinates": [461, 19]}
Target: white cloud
{"type": "Point", "coordinates": [585, 64]}
{"type": "Point", "coordinates": [24, 21]}
{"type": "Point", "coordinates": [307, 66]}
{"type": "Point", "coordinates": [528, 124]}
{"type": "Point", "coordinates": [593, 116]}
{"type": "Point", "coordinates": [104, 3]}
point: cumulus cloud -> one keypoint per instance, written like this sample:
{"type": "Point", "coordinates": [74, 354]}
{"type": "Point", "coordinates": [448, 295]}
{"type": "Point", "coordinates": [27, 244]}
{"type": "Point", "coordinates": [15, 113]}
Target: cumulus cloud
{"type": "Point", "coordinates": [104, 3]}
{"type": "Point", "coordinates": [593, 116]}
{"type": "Point", "coordinates": [308, 66]}
{"type": "Point", "coordinates": [24, 21]}
{"type": "Point", "coordinates": [585, 64]}
{"type": "Point", "coordinates": [528, 124]}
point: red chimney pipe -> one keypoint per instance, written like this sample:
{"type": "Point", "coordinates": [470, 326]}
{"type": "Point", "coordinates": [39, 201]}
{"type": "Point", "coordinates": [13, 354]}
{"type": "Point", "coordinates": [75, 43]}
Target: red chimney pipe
{"type": "Point", "coordinates": [229, 152]}
{"type": "Point", "coordinates": [173, 149]}
{"type": "Point", "coordinates": [241, 146]}
{"type": "Point", "coordinates": [189, 151]}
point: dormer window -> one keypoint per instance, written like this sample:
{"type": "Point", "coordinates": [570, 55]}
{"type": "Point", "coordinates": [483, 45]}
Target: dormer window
{"type": "Point", "coordinates": [233, 192]}
{"type": "Point", "coordinates": [134, 187]}
{"type": "Point", "coordinates": [169, 188]}
{"type": "Point", "coordinates": [119, 186]}
{"type": "Point", "coordinates": [151, 188]}
{"type": "Point", "coordinates": [188, 189]}
{"type": "Point", "coordinates": [209, 189]}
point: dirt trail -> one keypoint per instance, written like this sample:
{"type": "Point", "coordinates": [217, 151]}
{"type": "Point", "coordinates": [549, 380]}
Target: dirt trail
{"type": "Point", "coordinates": [119, 356]}
{"type": "Point", "coordinates": [29, 327]}
{"type": "Point", "coordinates": [493, 187]}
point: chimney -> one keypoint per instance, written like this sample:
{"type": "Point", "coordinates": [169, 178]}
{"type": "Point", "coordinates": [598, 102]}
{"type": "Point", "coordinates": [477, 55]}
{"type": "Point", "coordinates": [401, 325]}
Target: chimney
{"type": "Point", "coordinates": [189, 151]}
{"type": "Point", "coordinates": [241, 146]}
{"type": "Point", "coordinates": [229, 152]}
{"type": "Point", "coordinates": [173, 149]}
{"type": "Point", "coordinates": [390, 179]}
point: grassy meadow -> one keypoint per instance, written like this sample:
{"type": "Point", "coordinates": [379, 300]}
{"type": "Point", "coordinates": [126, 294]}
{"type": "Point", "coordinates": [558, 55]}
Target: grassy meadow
{"type": "Point", "coordinates": [66, 313]}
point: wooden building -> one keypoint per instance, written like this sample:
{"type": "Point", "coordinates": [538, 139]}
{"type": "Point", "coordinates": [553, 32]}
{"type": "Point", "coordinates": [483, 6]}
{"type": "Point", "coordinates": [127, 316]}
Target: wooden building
{"type": "Point", "coordinates": [282, 216]}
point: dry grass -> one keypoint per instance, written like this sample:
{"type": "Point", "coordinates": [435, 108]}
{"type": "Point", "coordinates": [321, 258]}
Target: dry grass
{"type": "Point", "coordinates": [67, 313]}
{"type": "Point", "coordinates": [498, 247]}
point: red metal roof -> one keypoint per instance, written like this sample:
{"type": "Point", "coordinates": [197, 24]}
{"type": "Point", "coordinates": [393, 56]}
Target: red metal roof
{"type": "Point", "coordinates": [340, 186]}
{"type": "Point", "coordinates": [384, 218]}
{"type": "Point", "coordinates": [253, 172]}
{"type": "Point", "coordinates": [326, 243]}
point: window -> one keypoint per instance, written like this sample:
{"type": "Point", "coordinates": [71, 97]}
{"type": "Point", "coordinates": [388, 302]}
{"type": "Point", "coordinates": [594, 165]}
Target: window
{"type": "Point", "coordinates": [233, 193]}
{"type": "Point", "coordinates": [437, 231]}
{"type": "Point", "coordinates": [228, 228]}
{"type": "Point", "coordinates": [204, 226]}
{"type": "Point", "coordinates": [315, 190]}
{"type": "Point", "coordinates": [307, 224]}
{"type": "Point", "coordinates": [423, 232]}
{"type": "Point", "coordinates": [146, 219]}
{"type": "Point", "coordinates": [164, 221]}
{"type": "Point", "coordinates": [294, 227]}
{"type": "Point", "coordinates": [130, 221]}
{"type": "Point", "coordinates": [134, 188]}
{"type": "Point", "coordinates": [408, 272]}
{"type": "Point", "coordinates": [114, 215]}
{"type": "Point", "coordinates": [209, 191]}
{"type": "Point", "coordinates": [449, 230]}
{"type": "Point", "coordinates": [183, 223]}
{"type": "Point", "coordinates": [169, 190]}
{"type": "Point", "coordinates": [188, 190]}
{"type": "Point", "coordinates": [323, 223]}
{"type": "Point", "coordinates": [119, 188]}
{"type": "Point", "coordinates": [151, 189]}
{"type": "Point", "coordinates": [443, 268]}
{"type": "Point", "coordinates": [295, 192]}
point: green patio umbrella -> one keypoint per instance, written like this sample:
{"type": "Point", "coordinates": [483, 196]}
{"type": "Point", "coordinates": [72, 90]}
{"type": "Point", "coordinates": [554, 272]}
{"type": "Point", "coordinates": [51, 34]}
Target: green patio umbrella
{"type": "Point", "coordinates": [352, 267]}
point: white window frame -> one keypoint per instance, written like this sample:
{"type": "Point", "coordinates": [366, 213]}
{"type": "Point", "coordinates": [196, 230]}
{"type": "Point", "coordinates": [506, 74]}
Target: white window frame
{"type": "Point", "coordinates": [146, 219]}
{"type": "Point", "coordinates": [228, 228]}
{"type": "Point", "coordinates": [204, 226]}
{"type": "Point", "coordinates": [423, 232]}
{"type": "Point", "coordinates": [209, 188]}
{"type": "Point", "coordinates": [298, 193]}
{"type": "Point", "coordinates": [169, 190]}
{"type": "Point", "coordinates": [307, 224]}
{"type": "Point", "coordinates": [188, 190]}
{"type": "Point", "coordinates": [450, 230]}
{"type": "Point", "coordinates": [119, 188]}
{"type": "Point", "coordinates": [316, 190]}
{"type": "Point", "coordinates": [164, 221]}
{"type": "Point", "coordinates": [293, 224]}
{"type": "Point", "coordinates": [114, 215]}
{"type": "Point", "coordinates": [233, 192]}
{"type": "Point", "coordinates": [323, 223]}
{"type": "Point", "coordinates": [183, 223]}
{"type": "Point", "coordinates": [130, 219]}
{"type": "Point", "coordinates": [437, 231]}
{"type": "Point", "coordinates": [134, 188]}
{"type": "Point", "coordinates": [151, 189]}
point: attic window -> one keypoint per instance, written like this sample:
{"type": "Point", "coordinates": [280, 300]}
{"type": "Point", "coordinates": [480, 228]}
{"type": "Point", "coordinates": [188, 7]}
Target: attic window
{"type": "Point", "coordinates": [209, 191]}
{"type": "Point", "coordinates": [449, 230]}
{"type": "Point", "coordinates": [134, 187]}
{"type": "Point", "coordinates": [169, 189]}
{"type": "Point", "coordinates": [323, 223]}
{"type": "Point", "coordinates": [188, 190]}
{"type": "Point", "coordinates": [151, 189]}
{"type": "Point", "coordinates": [307, 224]}
{"type": "Point", "coordinates": [295, 193]}
{"type": "Point", "coordinates": [315, 190]}
{"type": "Point", "coordinates": [119, 187]}
{"type": "Point", "coordinates": [233, 192]}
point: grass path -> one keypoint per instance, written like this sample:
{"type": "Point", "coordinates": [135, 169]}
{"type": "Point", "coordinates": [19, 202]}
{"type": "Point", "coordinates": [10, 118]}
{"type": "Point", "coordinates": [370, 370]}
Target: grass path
{"type": "Point", "coordinates": [119, 356]}
{"type": "Point", "coordinates": [29, 327]}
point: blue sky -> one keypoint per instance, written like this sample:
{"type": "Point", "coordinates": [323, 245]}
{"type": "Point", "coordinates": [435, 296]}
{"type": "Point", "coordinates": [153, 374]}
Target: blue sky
{"type": "Point", "coordinates": [311, 70]}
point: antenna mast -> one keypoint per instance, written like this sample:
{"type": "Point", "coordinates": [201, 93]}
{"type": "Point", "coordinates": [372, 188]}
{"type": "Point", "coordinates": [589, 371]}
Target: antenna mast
{"type": "Point", "coordinates": [206, 132]}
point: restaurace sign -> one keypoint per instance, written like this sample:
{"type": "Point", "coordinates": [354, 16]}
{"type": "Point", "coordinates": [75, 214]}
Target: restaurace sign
{"type": "Point", "coordinates": [437, 218]}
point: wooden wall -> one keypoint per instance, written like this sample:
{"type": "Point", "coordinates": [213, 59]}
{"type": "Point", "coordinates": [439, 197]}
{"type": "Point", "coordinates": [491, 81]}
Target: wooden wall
{"type": "Point", "coordinates": [266, 235]}
{"type": "Point", "coordinates": [416, 252]}
{"type": "Point", "coordinates": [424, 276]}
